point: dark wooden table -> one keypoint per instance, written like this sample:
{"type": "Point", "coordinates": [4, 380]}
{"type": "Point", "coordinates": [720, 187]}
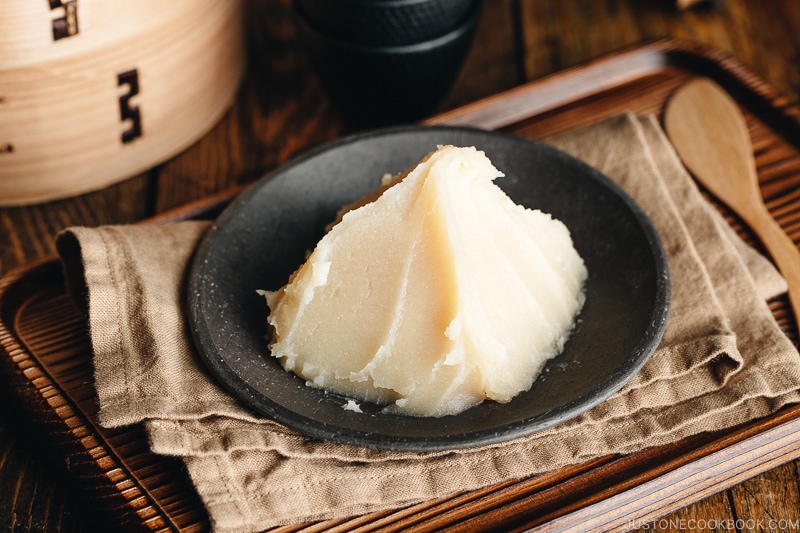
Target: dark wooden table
{"type": "Point", "coordinates": [280, 111]}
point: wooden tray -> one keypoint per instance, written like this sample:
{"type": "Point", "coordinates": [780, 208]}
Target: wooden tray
{"type": "Point", "coordinates": [46, 357]}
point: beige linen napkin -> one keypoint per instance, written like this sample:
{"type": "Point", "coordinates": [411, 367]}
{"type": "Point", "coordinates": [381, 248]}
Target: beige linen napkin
{"type": "Point", "coordinates": [722, 361]}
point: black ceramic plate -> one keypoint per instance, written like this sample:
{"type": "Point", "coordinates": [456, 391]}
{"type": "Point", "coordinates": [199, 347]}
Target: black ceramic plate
{"type": "Point", "coordinates": [265, 233]}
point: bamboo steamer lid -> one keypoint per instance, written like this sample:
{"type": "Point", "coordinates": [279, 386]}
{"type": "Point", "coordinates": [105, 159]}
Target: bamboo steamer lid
{"type": "Point", "coordinates": [109, 88]}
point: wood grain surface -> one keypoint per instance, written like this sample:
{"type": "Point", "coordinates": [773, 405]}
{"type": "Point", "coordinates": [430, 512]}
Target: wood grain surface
{"type": "Point", "coordinates": [280, 110]}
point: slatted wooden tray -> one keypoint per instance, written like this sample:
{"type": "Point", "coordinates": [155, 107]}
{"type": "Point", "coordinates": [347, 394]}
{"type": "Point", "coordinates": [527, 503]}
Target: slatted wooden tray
{"type": "Point", "coordinates": [46, 357]}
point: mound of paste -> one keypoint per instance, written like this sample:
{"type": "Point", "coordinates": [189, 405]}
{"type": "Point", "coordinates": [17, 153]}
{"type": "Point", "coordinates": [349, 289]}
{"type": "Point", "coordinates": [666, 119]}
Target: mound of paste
{"type": "Point", "coordinates": [439, 293]}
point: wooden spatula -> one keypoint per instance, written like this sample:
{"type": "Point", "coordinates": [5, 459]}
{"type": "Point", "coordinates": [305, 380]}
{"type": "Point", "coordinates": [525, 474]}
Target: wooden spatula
{"type": "Point", "coordinates": [710, 135]}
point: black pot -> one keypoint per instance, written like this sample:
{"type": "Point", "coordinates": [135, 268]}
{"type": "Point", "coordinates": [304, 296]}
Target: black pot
{"type": "Point", "coordinates": [382, 85]}
{"type": "Point", "coordinates": [386, 22]}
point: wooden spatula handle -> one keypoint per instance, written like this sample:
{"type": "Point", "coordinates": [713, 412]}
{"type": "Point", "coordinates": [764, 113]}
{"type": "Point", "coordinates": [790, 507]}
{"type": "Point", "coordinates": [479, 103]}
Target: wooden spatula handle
{"type": "Point", "coordinates": [783, 250]}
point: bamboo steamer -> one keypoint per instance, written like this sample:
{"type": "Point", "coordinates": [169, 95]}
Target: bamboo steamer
{"type": "Point", "coordinates": [100, 90]}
